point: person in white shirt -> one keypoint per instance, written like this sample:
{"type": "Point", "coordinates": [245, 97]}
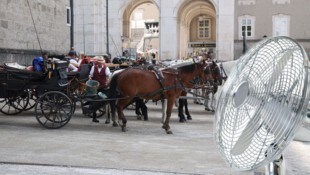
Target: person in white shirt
{"type": "Point", "coordinates": [100, 72]}
{"type": "Point", "coordinates": [73, 62]}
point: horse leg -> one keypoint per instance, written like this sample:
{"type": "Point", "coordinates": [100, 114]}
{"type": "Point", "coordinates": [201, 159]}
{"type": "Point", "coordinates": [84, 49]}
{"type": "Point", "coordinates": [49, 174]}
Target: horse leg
{"type": "Point", "coordinates": [212, 105]}
{"type": "Point", "coordinates": [113, 113]}
{"type": "Point", "coordinates": [163, 107]}
{"type": "Point", "coordinates": [207, 100]}
{"type": "Point", "coordinates": [120, 107]}
{"type": "Point", "coordinates": [189, 117]}
{"type": "Point", "coordinates": [176, 103]}
{"type": "Point", "coordinates": [180, 111]}
{"type": "Point", "coordinates": [213, 101]}
{"type": "Point", "coordinates": [144, 110]}
{"type": "Point", "coordinates": [107, 109]}
{"type": "Point", "coordinates": [170, 104]}
{"type": "Point", "coordinates": [138, 107]}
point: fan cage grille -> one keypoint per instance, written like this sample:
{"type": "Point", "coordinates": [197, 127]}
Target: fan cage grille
{"type": "Point", "coordinates": [277, 101]}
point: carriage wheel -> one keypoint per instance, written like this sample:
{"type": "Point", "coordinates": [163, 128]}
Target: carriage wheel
{"type": "Point", "coordinates": [14, 105]}
{"type": "Point", "coordinates": [54, 109]}
{"type": "Point", "coordinates": [32, 99]}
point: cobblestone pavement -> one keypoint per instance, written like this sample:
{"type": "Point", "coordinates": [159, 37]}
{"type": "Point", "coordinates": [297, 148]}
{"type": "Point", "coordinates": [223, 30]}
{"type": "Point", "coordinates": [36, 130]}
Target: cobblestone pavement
{"type": "Point", "coordinates": [84, 147]}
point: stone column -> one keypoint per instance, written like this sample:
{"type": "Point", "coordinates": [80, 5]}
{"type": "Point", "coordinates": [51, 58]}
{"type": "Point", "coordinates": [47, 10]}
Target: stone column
{"type": "Point", "coordinates": [225, 30]}
{"type": "Point", "coordinates": [168, 31]}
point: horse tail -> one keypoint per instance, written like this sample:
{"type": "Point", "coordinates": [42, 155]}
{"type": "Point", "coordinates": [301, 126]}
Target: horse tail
{"type": "Point", "coordinates": [113, 94]}
{"type": "Point", "coordinates": [113, 86]}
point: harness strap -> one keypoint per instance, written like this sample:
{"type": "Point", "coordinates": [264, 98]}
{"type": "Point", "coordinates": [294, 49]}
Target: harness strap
{"type": "Point", "coordinates": [164, 89]}
{"type": "Point", "coordinates": [177, 85]}
{"type": "Point", "coordinates": [160, 77]}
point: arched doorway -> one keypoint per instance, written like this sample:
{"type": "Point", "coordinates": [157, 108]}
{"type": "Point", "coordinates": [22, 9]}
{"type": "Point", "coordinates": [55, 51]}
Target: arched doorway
{"type": "Point", "coordinates": [140, 29]}
{"type": "Point", "coordinates": [197, 28]}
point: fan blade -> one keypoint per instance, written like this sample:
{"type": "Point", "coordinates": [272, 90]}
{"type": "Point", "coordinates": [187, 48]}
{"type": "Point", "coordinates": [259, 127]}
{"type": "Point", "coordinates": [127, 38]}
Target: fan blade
{"type": "Point", "coordinates": [247, 135]}
{"type": "Point", "coordinates": [276, 118]}
{"type": "Point", "coordinates": [280, 66]}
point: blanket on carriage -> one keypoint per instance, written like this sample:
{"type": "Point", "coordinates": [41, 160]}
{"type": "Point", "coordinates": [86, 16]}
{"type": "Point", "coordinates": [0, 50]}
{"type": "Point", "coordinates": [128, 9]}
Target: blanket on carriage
{"type": "Point", "coordinates": [19, 72]}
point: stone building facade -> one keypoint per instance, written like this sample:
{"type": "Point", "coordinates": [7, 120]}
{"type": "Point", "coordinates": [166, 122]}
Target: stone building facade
{"type": "Point", "coordinates": [18, 39]}
{"type": "Point", "coordinates": [271, 18]}
{"type": "Point", "coordinates": [186, 27]}
{"type": "Point", "coordinates": [178, 22]}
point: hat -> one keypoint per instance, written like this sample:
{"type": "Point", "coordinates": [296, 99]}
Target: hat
{"type": "Point", "coordinates": [99, 58]}
{"type": "Point", "coordinates": [72, 53]}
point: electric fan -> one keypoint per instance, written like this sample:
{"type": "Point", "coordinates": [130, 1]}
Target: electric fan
{"type": "Point", "coordinates": [262, 103]}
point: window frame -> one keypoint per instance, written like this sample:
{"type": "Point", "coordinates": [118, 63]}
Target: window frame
{"type": "Point", "coordinates": [68, 13]}
{"type": "Point", "coordinates": [240, 25]}
{"type": "Point", "coordinates": [279, 16]}
{"type": "Point", "coordinates": [204, 27]}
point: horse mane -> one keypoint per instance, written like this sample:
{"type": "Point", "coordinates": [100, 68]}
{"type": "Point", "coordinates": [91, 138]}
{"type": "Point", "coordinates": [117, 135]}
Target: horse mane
{"type": "Point", "coordinates": [187, 68]}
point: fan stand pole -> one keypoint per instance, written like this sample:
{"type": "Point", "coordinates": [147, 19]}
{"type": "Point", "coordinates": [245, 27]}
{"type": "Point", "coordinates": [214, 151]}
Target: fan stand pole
{"type": "Point", "coordinates": [276, 167]}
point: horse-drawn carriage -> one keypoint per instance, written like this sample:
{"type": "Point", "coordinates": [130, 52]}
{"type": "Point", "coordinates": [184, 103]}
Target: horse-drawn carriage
{"type": "Point", "coordinates": [55, 92]}
{"type": "Point", "coordinates": [53, 107]}
{"type": "Point", "coordinates": [52, 93]}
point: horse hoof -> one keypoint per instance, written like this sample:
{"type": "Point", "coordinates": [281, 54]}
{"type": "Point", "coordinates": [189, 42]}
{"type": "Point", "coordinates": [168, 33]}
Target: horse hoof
{"type": "Point", "coordinates": [123, 129]}
{"type": "Point", "coordinates": [212, 110]}
{"type": "Point", "coordinates": [115, 124]}
{"type": "Point", "coordinates": [107, 122]}
{"type": "Point", "coordinates": [169, 132]}
{"type": "Point", "coordinates": [182, 120]}
{"type": "Point", "coordinates": [164, 127]}
{"type": "Point", "coordinates": [189, 118]}
{"type": "Point", "coordinates": [146, 119]}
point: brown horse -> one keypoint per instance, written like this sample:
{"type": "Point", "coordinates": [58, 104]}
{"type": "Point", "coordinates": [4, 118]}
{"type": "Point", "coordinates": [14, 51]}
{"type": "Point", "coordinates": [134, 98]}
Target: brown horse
{"type": "Point", "coordinates": [215, 82]}
{"type": "Point", "coordinates": [133, 82]}
{"type": "Point", "coordinates": [214, 79]}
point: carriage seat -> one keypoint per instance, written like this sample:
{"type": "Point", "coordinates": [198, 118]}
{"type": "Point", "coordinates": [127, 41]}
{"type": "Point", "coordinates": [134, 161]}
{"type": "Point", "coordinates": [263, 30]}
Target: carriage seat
{"type": "Point", "coordinates": [20, 72]}
{"type": "Point", "coordinates": [83, 73]}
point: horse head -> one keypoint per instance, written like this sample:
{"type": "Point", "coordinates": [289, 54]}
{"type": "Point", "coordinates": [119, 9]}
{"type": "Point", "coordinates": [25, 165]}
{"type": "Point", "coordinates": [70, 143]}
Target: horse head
{"type": "Point", "coordinates": [192, 74]}
{"type": "Point", "coordinates": [200, 67]}
{"type": "Point", "coordinates": [213, 73]}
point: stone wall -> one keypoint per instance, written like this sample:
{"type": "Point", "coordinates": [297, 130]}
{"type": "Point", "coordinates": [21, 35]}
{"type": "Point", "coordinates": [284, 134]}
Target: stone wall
{"type": "Point", "coordinates": [90, 26]}
{"type": "Point", "coordinates": [18, 39]}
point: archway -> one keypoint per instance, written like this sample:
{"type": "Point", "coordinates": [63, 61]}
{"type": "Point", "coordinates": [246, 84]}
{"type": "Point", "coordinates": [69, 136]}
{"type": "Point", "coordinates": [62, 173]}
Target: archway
{"type": "Point", "coordinates": [197, 28]}
{"type": "Point", "coordinates": [140, 27]}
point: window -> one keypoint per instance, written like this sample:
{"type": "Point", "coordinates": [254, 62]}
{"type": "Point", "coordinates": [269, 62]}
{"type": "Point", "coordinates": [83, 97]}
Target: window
{"type": "Point", "coordinates": [281, 1]}
{"type": "Point", "coordinates": [246, 26]}
{"type": "Point", "coordinates": [246, 2]}
{"type": "Point", "coordinates": [281, 24]}
{"type": "Point", "coordinates": [137, 19]}
{"type": "Point", "coordinates": [68, 16]}
{"type": "Point", "coordinates": [138, 15]}
{"type": "Point", "coordinates": [204, 28]}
